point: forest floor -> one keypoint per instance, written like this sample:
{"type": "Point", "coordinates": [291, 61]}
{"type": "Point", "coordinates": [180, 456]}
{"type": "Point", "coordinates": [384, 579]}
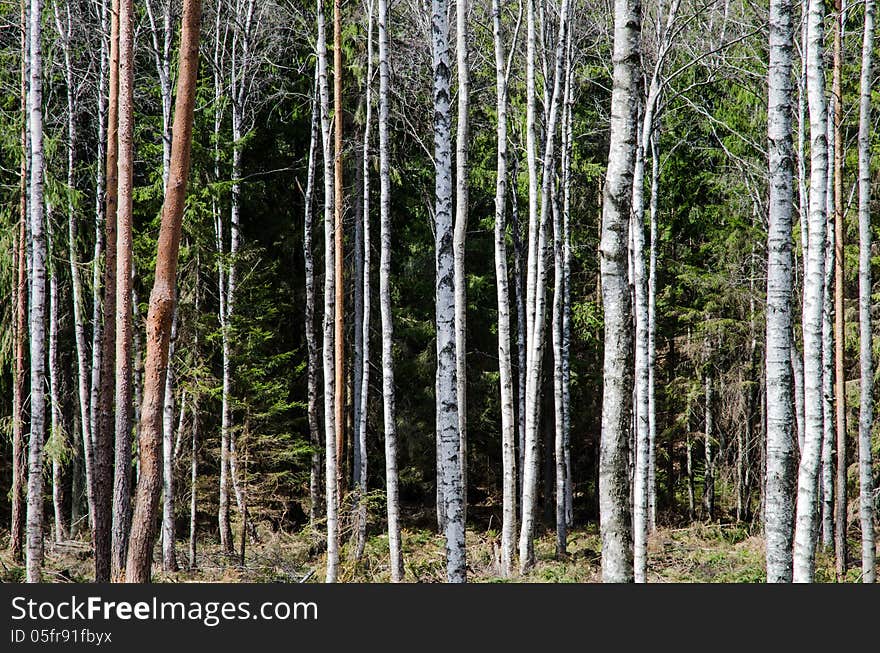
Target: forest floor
{"type": "Point", "coordinates": [699, 553]}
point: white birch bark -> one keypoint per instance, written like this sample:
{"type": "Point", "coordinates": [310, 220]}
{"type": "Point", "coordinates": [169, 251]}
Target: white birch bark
{"type": "Point", "coordinates": [37, 316]}
{"type": "Point", "coordinates": [797, 360]}
{"type": "Point", "coordinates": [193, 479]}
{"type": "Point", "coordinates": [460, 233]}
{"type": "Point", "coordinates": [528, 441]}
{"type": "Point", "coordinates": [238, 86]}
{"type": "Point", "coordinates": [362, 386]}
{"type": "Point", "coordinates": [505, 371]}
{"type": "Point", "coordinates": [780, 455]}
{"type": "Point", "coordinates": [449, 474]}
{"type": "Point", "coordinates": [388, 392]}
{"type": "Point", "coordinates": [829, 430]}
{"type": "Point", "coordinates": [562, 321]}
{"type": "Point", "coordinates": [162, 42]}
{"type": "Point", "coordinates": [652, 331]}
{"type": "Point", "coordinates": [709, 442]}
{"type": "Point", "coordinates": [225, 427]}
{"type": "Point", "coordinates": [311, 335]}
{"type": "Point", "coordinates": [640, 412]}
{"type": "Point", "coordinates": [536, 292]}
{"type": "Point", "coordinates": [567, 141]}
{"type": "Point", "coordinates": [866, 360]}
{"type": "Point", "coordinates": [330, 470]}
{"type": "Point", "coordinates": [195, 443]}
{"type": "Point", "coordinates": [169, 554]}
{"type": "Point", "coordinates": [614, 513]}
{"type": "Point", "coordinates": [806, 513]}
{"type": "Point", "coordinates": [57, 433]}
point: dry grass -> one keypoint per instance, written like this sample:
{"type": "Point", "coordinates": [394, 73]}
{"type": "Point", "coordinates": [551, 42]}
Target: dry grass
{"type": "Point", "coordinates": [700, 553]}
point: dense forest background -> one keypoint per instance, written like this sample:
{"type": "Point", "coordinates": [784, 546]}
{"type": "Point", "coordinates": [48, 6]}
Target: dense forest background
{"type": "Point", "coordinates": [710, 151]}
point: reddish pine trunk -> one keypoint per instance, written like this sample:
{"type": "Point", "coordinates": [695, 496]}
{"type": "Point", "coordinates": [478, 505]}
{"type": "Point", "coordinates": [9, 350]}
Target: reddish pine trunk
{"type": "Point", "coordinates": [161, 309]}
{"type": "Point", "coordinates": [103, 433]}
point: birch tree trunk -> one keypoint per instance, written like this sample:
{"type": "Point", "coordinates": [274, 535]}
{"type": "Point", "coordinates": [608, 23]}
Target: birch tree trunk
{"type": "Point", "coordinates": [460, 233]}
{"type": "Point", "coordinates": [567, 141]}
{"type": "Point", "coordinates": [169, 555]}
{"type": "Point", "coordinates": [239, 62]}
{"type": "Point", "coordinates": [37, 317]}
{"type": "Point", "coordinates": [446, 384]}
{"type": "Point", "coordinates": [388, 393]}
{"type": "Point", "coordinates": [508, 437]}
{"type": "Point", "coordinates": [560, 304]}
{"type": "Point", "coordinates": [362, 385]}
{"type": "Point", "coordinates": [528, 441]}
{"type": "Point", "coordinates": [797, 360]}
{"type": "Point", "coordinates": [162, 304]}
{"type": "Point", "coordinates": [101, 183]}
{"type": "Point", "coordinates": [840, 498]}
{"type": "Point", "coordinates": [709, 440]}
{"type": "Point", "coordinates": [19, 459]}
{"type": "Point", "coordinates": [805, 520]}
{"type": "Point", "coordinates": [57, 435]}
{"type": "Point", "coordinates": [689, 451]}
{"type": "Point", "coordinates": [866, 360]}
{"type": "Point", "coordinates": [311, 335]}
{"type": "Point", "coordinates": [224, 526]}
{"type": "Point", "coordinates": [19, 462]}
{"type": "Point", "coordinates": [780, 456]}
{"type": "Point", "coordinates": [330, 471]}
{"type": "Point", "coordinates": [652, 333]}
{"type": "Point", "coordinates": [535, 299]}
{"type": "Point", "coordinates": [339, 253]}
{"type": "Point", "coordinates": [194, 472]}
{"type": "Point", "coordinates": [640, 412]}
{"type": "Point", "coordinates": [196, 444]}
{"type": "Point", "coordinates": [122, 462]}
{"type": "Point", "coordinates": [162, 56]}
{"type": "Point", "coordinates": [826, 471]}
{"type": "Point", "coordinates": [614, 513]}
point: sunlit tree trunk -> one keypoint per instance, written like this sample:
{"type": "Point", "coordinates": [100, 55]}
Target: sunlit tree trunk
{"type": "Point", "coordinates": [124, 223]}
{"type": "Point", "coordinates": [840, 494]}
{"type": "Point", "coordinates": [460, 232]}
{"type": "Point", "coordinates": [508, 437]}
{"type": "Point", "coordinates": [805, 520]}
{"type": "Point", "coordinates": [219, 53]}
{"type": "Point", "coordinates": [330, 471]}
{"type": "Point", "coordinates": [388, 392]}
{"type": "Point", "coordinates": [162, 304]}
{"type": "Point", "coordinates": [615, 518]}
{"type": "Point", "coordinates": [560, 299]}
{"type": "Point", "coordinates": [536, 301]}
{"type": "Point", "coordinates": [196, 444]}
{"type": "Point", "coordinates": [780, 381]}
{"type": "Point", "coordinates": [37, 317]}
{"type": "Point", "coordinates": [449, 472]}
{"type": "Point", "coordinates": [362, 366]}
{"type": "Point", "coordinates": [709, 442]}
{"type": "Point", "coordinates": [826, 469]}
{"type": "Point", "coordinates": [866, 360]}
{"type": "Point", "coordinates": [169, 554]}
{"type": "Point", "coordinates": [339, 253]}
{"type": "Point", "coordinates": [104, 424]}
{"type": "Point", "coordinates": [567, 143]}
